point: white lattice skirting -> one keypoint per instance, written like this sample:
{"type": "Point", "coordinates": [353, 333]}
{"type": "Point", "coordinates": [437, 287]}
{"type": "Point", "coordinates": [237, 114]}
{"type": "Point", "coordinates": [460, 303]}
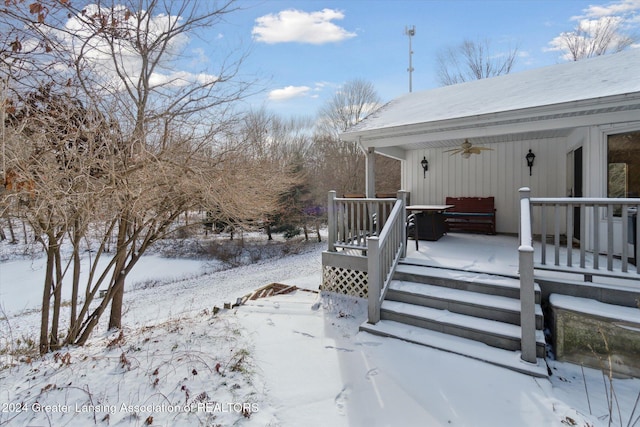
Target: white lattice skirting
{"type": "Point", "coordinates": [344, 281]}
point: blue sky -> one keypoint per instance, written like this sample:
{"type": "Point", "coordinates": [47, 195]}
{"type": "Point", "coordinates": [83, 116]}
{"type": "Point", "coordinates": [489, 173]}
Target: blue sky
{"type": "Point", "coordinates": [302, 51]}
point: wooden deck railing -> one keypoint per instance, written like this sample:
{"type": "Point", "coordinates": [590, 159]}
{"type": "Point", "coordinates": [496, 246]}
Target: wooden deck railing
{"type": "Point", "coordinates": [353, 220]}
{"type": "Point", "coordinates": [606, 239]}
{"type": "Point", "coordinates": [384, 252]}
{"type": "Point", "coordinates": [527, 290]}
{"type": "Point", "coordinates": [376, 228]}
{"type": "Point", "coordinates": [616, 217]}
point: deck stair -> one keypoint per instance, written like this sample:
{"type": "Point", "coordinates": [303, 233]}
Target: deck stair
{"type": "Point", "coordinates": [473, 314]}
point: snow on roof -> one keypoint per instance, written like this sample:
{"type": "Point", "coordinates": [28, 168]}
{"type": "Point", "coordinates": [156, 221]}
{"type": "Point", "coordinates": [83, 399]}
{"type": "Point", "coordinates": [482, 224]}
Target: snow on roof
{"type": "Point", "coordinates": [603, 76]}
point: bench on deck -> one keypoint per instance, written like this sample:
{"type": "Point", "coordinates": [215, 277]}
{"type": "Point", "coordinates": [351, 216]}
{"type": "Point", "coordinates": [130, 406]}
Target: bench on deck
{"type": "Point", "coordinates": [471, 214]}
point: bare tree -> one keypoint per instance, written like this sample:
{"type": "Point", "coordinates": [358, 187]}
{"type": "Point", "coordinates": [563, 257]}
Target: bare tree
{"type": "Point", "coordinates": [54, 173]}
{"type": "Point", "coordinates": [344, 161]}
{"type": "Point", "coordinates": [171, 121]}
{"type": "Point", "coordinates": [163, 144]}
{"type": "Point", "coordinates": [593, 38]}
{"type": "Point", "coordinates": [350, 104]}
{"type": "Point", "coordinates": [286, 143]}
{"type": "Point", "coordinates": [341, 164]}
{"type": "Point", "coordinates": [473, 60]}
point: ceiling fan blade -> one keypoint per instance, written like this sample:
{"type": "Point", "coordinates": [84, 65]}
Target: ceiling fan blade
{"type": "Point", "coordinates": [466, 150]}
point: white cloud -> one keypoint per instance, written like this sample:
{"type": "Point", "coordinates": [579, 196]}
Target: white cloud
{"type": "Point", "coordinates": [622, 14]}
{"type": "Point", "coordinates": [180, 79]}
{"type": "Point", "coordinates": [297, 26]}
{"type": "Point", "coordinates": [524, 57]}
{"type": "Point", "coordinates": [96, 50]}
{"type": "Point", "coordinates": [589, 33]}
{"type": "Point", "coordinates": [321, 85]}
{"type": "Point", "coordinates": [616, 8]}
{"type": "Point", "coordinates": [200, 55]}
{"type": "Point", "coordinates": [288, 92]}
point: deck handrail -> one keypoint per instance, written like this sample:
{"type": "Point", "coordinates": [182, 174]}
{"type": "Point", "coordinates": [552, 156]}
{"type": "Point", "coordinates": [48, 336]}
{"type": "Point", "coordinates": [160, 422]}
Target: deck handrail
{"type": "Point", "coordinates": [563, 212]}
{"type": "Point", "coordinates": [527, 291]}
{"type": "Point", "coordinates": [383, 254]}
{"type": "Point", "coordinates": [377, 228]}
{"type": "Point", "coordinates": [352, 220]}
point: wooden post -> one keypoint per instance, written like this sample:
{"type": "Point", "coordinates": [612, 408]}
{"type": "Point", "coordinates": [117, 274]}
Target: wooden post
{"type": "Point", "coordinates": [625, 237]}
{"type": "Point", "coordinates": [525, 193]}
{"type": "Point", "coordinates": [332, 221]}
{"type": "Point", "coordinates": [374, 279]}
{"type": "Point", "coordinates": [609, 237]}
{"type": "Point", "coordinates": [636, 245]}
{"type": "Point", "coordinates": [569, 233]}
{"type": "Point", "coordinates": [527, 291]}
{"type": "Point", "coordinates": [371, 172]}
{"type": "Point", "coordinates": [402, 195]}
{"type": "Point", "coordinates": [527, 303]}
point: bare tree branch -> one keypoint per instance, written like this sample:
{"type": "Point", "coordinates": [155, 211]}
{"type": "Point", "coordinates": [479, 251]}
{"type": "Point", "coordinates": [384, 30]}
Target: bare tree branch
{"type": "Point", "coordinates": [473, 60]}
{"type": "Point", "coordinates": [593, 38]}
{"type": "Point", "coordinates": [342, 163]}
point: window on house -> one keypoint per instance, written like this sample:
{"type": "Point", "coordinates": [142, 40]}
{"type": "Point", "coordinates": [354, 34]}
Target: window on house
{"type": "Point", "coordinates": [623, 153]}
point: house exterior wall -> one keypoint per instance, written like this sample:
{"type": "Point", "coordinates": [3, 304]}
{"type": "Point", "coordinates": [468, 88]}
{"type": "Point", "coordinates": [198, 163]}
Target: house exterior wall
{"type": "Point", "coordinates": [498, 173]}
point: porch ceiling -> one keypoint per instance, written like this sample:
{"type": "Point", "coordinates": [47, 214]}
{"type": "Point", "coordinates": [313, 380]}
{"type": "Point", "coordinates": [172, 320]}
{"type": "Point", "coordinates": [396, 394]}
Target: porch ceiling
{"type": "Point", "coordinates": [492, 139]}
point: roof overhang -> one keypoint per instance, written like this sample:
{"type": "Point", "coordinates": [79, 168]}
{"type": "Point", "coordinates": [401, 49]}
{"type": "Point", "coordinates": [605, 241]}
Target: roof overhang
{"type": "Point", "coordinates": [531, 123]}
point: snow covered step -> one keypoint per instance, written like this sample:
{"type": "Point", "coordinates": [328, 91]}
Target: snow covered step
{"type": "Point", "coordinates": [482, 305]}
{"type": "Point", "coordinates": [494, 333]}
{"type": "Point", "coordinates": [465, 347]}
{"type": "Point", "coordinates": [463, 280]}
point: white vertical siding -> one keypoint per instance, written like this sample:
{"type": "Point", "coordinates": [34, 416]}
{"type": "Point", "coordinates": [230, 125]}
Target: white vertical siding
{"type": "Point", "coordinates": [499, 173]}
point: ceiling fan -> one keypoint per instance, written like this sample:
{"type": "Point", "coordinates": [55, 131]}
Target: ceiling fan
{"type": "Point", "coordinates": [467, 149]}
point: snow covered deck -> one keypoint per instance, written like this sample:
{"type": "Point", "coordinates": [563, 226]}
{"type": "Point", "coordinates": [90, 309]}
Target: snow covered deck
{"type": "Point", "coordinates": [497, 254]}
{"type": "Point", "coordinates": [481, 253]}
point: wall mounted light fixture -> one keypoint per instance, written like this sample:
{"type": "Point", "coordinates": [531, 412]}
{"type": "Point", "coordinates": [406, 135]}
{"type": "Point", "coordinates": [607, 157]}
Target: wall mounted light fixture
{"type": "Point", "coordinates": [425, 166]}
{"type": "Point", "coordinates": [530, 157]}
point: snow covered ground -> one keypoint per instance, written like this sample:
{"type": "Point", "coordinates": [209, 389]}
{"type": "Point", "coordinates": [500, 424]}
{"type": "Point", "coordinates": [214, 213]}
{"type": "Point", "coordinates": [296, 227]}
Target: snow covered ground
{"type": "Point", "coordinates": [290, 360]}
